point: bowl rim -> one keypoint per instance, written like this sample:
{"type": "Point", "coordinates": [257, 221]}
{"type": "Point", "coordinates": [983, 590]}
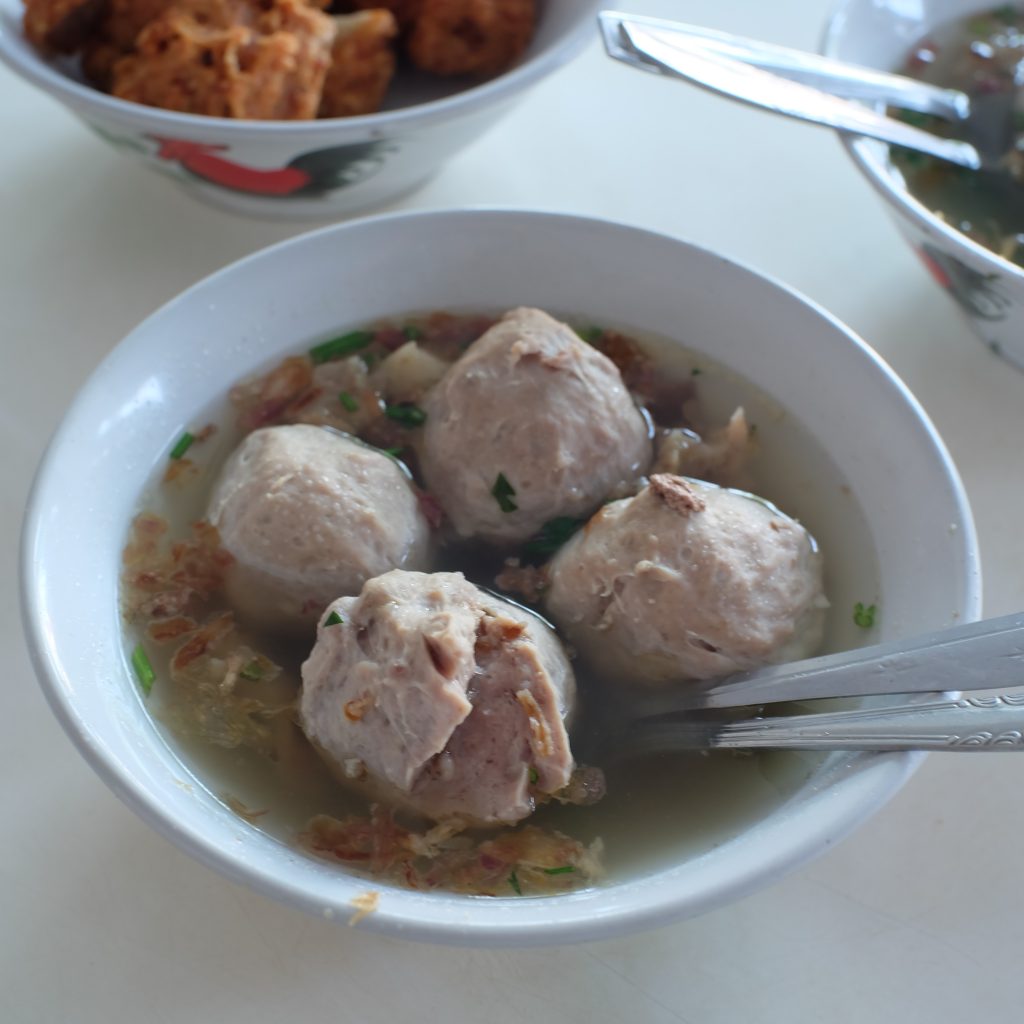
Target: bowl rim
{"type": "Point", "coordinates": [862, 152]}
{"type": "Point", "coordinates": [35, 68]}
{"type": "Point", "coordinates": [869, 779]}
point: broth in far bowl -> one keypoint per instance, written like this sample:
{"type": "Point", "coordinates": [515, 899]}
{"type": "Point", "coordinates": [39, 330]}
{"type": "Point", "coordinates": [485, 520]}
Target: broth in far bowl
{"type": "Point", "coordinates": [676, 844]}
{"type": "Point", "coordinates": [963, 225]}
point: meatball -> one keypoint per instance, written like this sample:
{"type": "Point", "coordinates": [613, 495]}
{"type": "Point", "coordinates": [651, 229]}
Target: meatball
{"type": "Point", "coordinates": [432, 695]}
{"type": "Point", "coordinates": [308, 515]}
{"type": "Point", "coordinates": [529, 425]}
{"type": "Point", "coordinates": [230, 58]}
{"type": "Point", "coordinates": [688, 581]}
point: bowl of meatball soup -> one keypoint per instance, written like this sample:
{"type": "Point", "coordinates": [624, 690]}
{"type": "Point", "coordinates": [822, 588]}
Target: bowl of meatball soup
{"type": "Point", "coordinates": [375, 562]}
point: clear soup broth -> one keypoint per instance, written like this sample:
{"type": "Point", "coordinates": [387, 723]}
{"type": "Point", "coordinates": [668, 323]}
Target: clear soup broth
{"type": "Point", "coordinates": [655, 812]}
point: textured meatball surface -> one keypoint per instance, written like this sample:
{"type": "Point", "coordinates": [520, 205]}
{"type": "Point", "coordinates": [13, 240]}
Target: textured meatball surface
{"type": "Point", "coordinates": [309, 515]}
{"type": "Point", "coordinates": [428, 693]}
{"type": "Point", "coordinates": [688, 581]}
{"type": "Point", "coordinates": [531, 402]}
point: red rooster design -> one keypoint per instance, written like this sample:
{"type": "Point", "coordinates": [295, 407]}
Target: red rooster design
{"type": "Point", "coordinates": [310, 174]}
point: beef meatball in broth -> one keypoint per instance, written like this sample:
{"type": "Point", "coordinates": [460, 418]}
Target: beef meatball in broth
{"type": "Point", "coordinates": [688, 581]}
{"type": "Point", "coordinates": [531, 405]}
{"type": "Point", "coordinates": [427, 693]}
{"type": "Point", "coordinates": [308, 515]}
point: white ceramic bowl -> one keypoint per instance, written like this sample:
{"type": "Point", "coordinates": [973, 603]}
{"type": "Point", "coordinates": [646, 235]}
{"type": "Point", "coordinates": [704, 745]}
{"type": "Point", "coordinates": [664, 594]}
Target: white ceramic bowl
{"type": "Point", "coordinates": [293, 170]}
{"type": "Point", "coordinates": [988, 289]}
{"type": "Point", "coordinates": [181, 360]}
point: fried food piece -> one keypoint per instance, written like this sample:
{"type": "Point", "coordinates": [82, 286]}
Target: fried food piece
{"type": "Point", "coordinates": [61, 25]}
{"type": "Point", "coordinates": [405, 11]}
{"type": "Point", "coordinates": [115, 36]}
{"type": "Point", "coordinates": [244, 59]}
{"type": "Point", "coordinates": [125, 19]}
{"type": "Point", "coordinates": [362, 64]}
{"type": "Point", "coordinates": [471, 37]}
{"type": "Point", "coordinates": [98, 59]}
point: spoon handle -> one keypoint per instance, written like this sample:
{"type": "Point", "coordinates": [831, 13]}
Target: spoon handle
{"type": "Point", "coordinates": [970, 724]}
{"type": "Point", "coordinates": [726, 76]}
{"type": "Point", "coordinates": [984, 655]}
{"type": "Point", "coordinates": [852, 81]}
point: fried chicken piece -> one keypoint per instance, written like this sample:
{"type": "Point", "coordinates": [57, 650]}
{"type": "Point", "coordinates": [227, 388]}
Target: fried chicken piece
{"type": "Point", "coordinates": [362, 64]}
{"type": "Point", "coordinates": [404, 11]}
{"type": "Point", "coordinates": [61, 25]}
{"type": "Point", "coordinates": [471, 37]}
{"type": "Point", "coordinates": [98, 59]}
{"type": "Point", "coordinates": [244, 59]}
{"type": "Point", "coordinates": [115, 36]}
{"type": "Point", "coordinates": [125, 19]}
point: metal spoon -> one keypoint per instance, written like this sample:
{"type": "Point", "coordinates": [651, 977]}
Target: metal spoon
{"type": "Point", "coordinates": [967, 725]}
{"type": "Point", "coordinates": [985, 655]}
{"type": "Point", "coordinates": [809, 87]}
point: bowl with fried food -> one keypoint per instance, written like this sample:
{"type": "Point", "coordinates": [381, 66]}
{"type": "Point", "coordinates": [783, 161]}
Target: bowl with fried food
{"type": "Point", "coordinates": [290, 109]}
{"type": "Point", "coordinates": [376, 568]}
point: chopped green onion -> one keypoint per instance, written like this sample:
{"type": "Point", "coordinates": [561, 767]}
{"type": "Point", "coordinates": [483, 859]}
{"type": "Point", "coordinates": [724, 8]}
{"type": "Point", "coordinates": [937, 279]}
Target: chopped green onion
{"type": "Point", "coordinates": [553, 534]}
{"type": "Point", "coordinates": [143, 669]}
{"type": "Point", "coordinates": [407, 414]}
{"type": "Point", "coordinates": [864, 616]}
{"type": "Point", "coordinates": [344, 345]}
{"type": "Point", "coordinates": [503, 493]}
{"type": "Point", "coordinates": [253, 670]}
{"type": "Point", "coordinates": [696, 371]}
{"type": "Point", "coordinates": [393, 452]}
{"type": "Point", "coordinates": [911, 158]}
{"type": "Point", "coordinates": [182, 446]}
{"type": "Point", "coordinates": [533, 776]}
{"type": "Point", "coordinates": [513, 880]}
{"type": "Point", "coordinates": [350, 403]}
{"type": "Point", "coordinates": [590, 334]}
{"type": "Point", "coordinates": [412, 332]}
{"type": "Point", "coordinates": [369, 359]}
{"type": "Point", "coordinates": [334, 619]}
{"type": "Point", "coordinates": [915, 119]}
{"type": "Point", "coordinates": [563, 870]}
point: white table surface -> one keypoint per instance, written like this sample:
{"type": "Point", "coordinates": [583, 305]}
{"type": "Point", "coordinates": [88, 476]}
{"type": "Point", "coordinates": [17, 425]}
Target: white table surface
{"type": "Point", "coordinates": [917, 917]}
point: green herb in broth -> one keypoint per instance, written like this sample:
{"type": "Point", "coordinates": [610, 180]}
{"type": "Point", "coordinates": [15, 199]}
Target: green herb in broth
{"type": "Point", "coordinates": [983, 55]}
{"type": "Point", "coordinates": [407, 414]}
{"type": "Point", "coordinates": [143, 669]}
{"type": "Point", "coordinates": [553, 534]}
{"type": "Point", "coordinates": [337, 348]}
{"type": "Point", "coordinates": [503, 493]}
{"type": "Point", "coordinates": [654, 813]}
{"type": "Point", "coordinates": [864, 615]}
{"type": "Point", "coordinates": [183, 444]}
